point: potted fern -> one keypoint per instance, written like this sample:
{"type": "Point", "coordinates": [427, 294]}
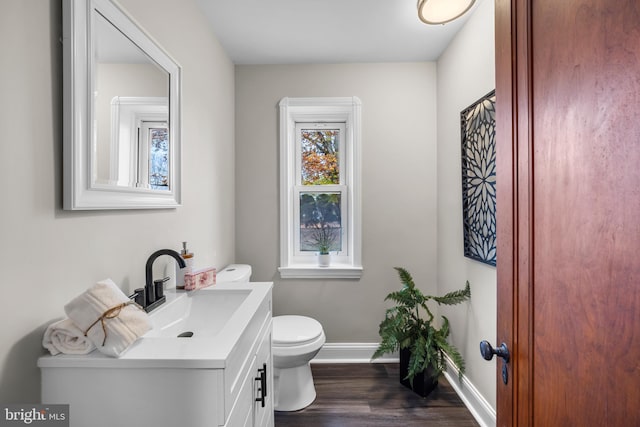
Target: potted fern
{"type": "Point", "coordinates": [422, 346]}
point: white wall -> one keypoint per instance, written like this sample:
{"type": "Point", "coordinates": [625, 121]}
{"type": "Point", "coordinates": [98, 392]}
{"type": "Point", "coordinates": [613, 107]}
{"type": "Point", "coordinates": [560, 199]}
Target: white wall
{"type": "Point", "coordinates": [466, 72]}
{"type": "Point", "coordinates": [399, 186]}
{"type": "Point", "coordinates": [47, 255]}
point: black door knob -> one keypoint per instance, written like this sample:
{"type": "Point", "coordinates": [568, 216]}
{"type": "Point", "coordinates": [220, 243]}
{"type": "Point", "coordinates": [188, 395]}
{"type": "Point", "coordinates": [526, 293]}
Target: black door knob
{"type": "Point", "coordinates": [488, 351]}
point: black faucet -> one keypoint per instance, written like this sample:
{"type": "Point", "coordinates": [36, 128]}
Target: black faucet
{"type": "Point", "coordinates": [153, 295]}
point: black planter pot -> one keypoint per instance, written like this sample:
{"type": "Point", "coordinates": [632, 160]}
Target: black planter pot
{"type": "Point", "coordinates": [423, 383]}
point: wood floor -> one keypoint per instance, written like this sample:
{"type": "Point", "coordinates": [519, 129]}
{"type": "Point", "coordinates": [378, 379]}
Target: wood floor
{"type": "Point", "coordinates": [370, 395]}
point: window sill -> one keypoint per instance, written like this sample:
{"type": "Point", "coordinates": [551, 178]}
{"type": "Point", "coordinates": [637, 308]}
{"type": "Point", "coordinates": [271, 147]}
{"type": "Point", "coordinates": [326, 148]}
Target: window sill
{"type": "Point", "coordinates": [315, 272]}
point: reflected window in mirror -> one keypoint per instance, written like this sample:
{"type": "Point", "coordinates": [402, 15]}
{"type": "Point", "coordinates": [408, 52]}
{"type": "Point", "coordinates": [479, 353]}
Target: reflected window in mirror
{"type": "Point", "coordinates": [154, 140]}
{"type": "Point", "coordinates": [124, 73]}
{"type": "Point", "coordinates": [135, 121]}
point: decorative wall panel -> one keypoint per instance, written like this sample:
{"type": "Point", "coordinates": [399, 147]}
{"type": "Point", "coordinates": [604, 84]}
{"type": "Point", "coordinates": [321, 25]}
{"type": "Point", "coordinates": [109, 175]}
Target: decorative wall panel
{"type": "Point", "coordinates": [478, 130]}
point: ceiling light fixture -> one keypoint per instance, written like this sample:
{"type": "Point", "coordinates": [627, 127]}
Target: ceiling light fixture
{"type": "Point", "coordinates": [436, 12]}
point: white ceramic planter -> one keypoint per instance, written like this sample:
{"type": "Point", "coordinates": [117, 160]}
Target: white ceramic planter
{"type": "Point", "coordinates": [324, 260]}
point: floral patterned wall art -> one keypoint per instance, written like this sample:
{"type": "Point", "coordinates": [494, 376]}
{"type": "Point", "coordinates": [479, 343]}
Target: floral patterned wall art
{"type": "Point", "coordinates": [478, 129]}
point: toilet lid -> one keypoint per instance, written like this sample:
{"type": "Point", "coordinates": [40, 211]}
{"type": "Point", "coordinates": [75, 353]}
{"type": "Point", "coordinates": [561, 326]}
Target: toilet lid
{"type": "Point", "coordinates": [290, 330]}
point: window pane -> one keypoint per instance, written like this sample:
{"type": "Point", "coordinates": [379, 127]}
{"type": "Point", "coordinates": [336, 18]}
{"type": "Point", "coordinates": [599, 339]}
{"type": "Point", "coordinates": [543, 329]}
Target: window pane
{"type": "Point", "coordinates": [159, 159]}
{"type": "Point", "coordinates": [320, 222]}
{"type": "Point", "coordinates": [319, 158]}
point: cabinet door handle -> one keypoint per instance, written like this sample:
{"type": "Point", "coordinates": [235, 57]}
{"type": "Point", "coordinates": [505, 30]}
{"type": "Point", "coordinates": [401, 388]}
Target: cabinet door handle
{"type": "Point", "coordinates": [263, 374]}
{"type": "Point", "coordinates": [260, 399]}
{"type": "Point", "coordinates": [263, 384]}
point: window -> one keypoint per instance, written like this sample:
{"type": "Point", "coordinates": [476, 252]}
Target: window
{"type": "Point", "coordinates": [153, 155]}
{"type": "Point", "coordinates": [320, 187]}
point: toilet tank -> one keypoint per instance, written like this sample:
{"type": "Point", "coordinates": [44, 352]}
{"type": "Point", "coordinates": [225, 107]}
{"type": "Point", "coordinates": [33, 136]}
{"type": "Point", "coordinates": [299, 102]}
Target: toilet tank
{"type": "Point", "coordinates": [234, 273]}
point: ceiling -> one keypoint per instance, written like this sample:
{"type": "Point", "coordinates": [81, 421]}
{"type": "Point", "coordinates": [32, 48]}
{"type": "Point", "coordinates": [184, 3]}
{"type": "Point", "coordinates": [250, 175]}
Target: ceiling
{"type": "Point", "coordinates": [326, 31]}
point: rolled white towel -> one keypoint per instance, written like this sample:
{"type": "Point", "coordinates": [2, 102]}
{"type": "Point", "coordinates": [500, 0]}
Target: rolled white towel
{"type": "Point", "coordinates": [65, 337]}
{"type": "Point", "coordinates": [108, 318]}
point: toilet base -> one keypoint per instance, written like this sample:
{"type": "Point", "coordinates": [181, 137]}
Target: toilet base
{"type": "Point", "coordinates": [294, 389]}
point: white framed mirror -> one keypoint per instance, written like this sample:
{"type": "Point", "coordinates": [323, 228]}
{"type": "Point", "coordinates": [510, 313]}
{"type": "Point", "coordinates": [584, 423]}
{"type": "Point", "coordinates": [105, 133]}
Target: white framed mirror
{"type": "Point", "coordinates": [121, 100]}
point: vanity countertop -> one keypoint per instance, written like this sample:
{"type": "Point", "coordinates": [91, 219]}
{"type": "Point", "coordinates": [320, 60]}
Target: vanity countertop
{"type": "Point", "coordinates": [218, 316]}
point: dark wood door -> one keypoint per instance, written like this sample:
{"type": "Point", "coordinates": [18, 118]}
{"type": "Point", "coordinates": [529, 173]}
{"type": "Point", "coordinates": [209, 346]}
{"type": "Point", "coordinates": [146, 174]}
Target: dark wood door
{"type": "Point", "coordinates": [568, 132]}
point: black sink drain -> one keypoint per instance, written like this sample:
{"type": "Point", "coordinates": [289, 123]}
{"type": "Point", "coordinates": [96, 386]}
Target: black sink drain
{"type": "Point", "coordinates": [187, 334]}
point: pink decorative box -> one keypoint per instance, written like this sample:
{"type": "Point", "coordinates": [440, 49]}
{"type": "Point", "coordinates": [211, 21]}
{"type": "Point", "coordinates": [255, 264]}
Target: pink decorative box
{"type": "Point", "coordinates": [199, 279]}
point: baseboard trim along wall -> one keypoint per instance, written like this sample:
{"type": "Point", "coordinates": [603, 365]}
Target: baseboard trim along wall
{"type": "Point", "coordinates": [351, 353]}
{"type": "Point", "coordinates": [484, 414]}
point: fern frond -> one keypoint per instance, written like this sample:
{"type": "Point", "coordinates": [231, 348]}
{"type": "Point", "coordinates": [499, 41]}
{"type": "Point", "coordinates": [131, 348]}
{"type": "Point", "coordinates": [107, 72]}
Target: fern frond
{"type": "Point", "coordinates": [417, 359]}
{"type": "Point", "coordinates": [385, 347]}
{"type": "Point", "coordinates": [431, 350]}
{"type": "Point", "coordinates": [391, 329]}
{"type": "Point", "coordinates": [455, 297]}
{"type": "Point", "coordinates": [444, 330]}
{"type": "Point", "coordinates": [405, 277]}
{"type": "Point", "coordinates": [454, 354]}
{"type": "Point", "coordinates": [401, 297]}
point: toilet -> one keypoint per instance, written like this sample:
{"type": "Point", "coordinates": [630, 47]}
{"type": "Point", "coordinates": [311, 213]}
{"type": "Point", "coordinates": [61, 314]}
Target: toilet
{"type": "Point", "coordinates": [295, 341]}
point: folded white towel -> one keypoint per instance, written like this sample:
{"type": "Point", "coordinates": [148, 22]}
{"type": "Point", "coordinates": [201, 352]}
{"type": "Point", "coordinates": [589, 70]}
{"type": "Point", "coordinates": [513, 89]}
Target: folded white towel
{"type": "Point", "coordinates": [65, 337]}
{"type": "Point", "coordinates": [108, 317]}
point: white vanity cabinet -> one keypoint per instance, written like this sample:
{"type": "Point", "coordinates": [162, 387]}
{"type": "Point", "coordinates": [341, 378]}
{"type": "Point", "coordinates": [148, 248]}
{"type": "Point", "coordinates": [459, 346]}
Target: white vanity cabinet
{"type": "Point", "coordinates": [163, 381]}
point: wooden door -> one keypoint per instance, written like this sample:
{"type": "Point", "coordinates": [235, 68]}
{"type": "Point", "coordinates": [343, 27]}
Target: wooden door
{"type": "Point", "coordinates": [568, 135]}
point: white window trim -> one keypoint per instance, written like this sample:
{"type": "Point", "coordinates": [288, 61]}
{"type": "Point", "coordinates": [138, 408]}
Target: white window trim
{"type": "Point", "coordinates": [330, 110]}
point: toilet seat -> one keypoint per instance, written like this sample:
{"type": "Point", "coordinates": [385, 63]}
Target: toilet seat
{"type": "Point", "coordinates": [291, 330]}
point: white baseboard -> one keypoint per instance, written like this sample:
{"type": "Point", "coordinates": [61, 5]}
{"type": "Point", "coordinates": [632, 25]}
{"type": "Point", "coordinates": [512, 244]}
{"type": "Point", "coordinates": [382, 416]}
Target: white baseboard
{"type": "Point", "coordinates": [350, 353]}
{"type": "Point", "coordinates": [484, 414]}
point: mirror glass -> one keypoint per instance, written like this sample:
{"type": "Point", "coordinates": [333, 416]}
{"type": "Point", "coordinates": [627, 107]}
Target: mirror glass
{"type": "Point", "coordinates": [122, 145]}
{"type": "Point", "coordinates": [131, 113]}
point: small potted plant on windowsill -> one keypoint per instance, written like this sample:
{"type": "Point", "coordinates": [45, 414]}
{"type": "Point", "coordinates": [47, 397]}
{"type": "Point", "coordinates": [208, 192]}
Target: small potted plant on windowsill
{"type": "Point", "coordinates": [324, 257]}
{"type": "Point", "coordinates": [421, 345]}
{"type": "Point", "coordinates": [322, 238]}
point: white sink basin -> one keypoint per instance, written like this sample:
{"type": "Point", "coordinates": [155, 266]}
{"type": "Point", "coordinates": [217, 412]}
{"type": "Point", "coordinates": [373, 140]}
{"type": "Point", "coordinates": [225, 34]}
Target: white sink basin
{"type": "Point", "coordinates": [196, 314]}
